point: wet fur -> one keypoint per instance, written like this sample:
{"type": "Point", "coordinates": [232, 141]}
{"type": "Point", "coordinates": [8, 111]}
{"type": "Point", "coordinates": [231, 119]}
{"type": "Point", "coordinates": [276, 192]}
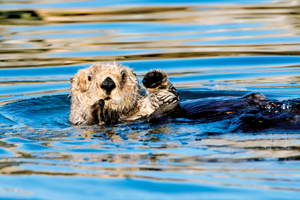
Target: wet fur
{"type": "Point", "coordinates": [93, 105]}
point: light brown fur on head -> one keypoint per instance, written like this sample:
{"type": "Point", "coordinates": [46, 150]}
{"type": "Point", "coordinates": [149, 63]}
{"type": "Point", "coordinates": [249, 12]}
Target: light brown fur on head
{"type": "Point", "coordinates": [86, 88]}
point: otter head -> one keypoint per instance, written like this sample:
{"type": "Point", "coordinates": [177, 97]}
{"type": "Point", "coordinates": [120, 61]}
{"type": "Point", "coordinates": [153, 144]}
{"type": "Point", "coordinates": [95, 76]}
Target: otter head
{"type": "Point", "coordinates": [116, 84]}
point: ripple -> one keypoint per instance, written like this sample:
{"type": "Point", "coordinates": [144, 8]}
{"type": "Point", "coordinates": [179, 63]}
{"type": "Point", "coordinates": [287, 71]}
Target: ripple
{"type": "Point", "coordinates": [5, 153]}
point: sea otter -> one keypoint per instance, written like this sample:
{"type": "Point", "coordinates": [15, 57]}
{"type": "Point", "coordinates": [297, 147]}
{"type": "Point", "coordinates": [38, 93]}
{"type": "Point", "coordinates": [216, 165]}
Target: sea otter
{"type": "Point", "coordinates": [109, 93]}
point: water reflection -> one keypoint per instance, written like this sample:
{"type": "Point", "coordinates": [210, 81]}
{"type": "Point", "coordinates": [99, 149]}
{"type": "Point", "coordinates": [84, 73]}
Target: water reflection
{"type": "Point", "coordinates": [55, 37]}
{"type": "Point", "coordinates": [170, 153]}
{"type": "Point", "coordinates": [193, 31]}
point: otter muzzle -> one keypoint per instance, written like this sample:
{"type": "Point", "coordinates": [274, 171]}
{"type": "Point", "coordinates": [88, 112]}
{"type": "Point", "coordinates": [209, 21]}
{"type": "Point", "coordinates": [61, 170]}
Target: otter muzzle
{"type": "Point", "coordinates": [108, 85]}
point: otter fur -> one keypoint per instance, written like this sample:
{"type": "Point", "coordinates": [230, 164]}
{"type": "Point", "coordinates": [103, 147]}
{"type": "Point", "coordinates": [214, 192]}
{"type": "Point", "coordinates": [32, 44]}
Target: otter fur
{"type": "Point", "coordinates": [109, 93]}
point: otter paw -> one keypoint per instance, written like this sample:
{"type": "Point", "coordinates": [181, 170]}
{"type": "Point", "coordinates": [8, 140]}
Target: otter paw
{"type": "Point", "coordinates": [154, 78]}
{"type": "Point", "coordinates": [101, 104]}
{"type": "Point", "coordinates": [96, 111]}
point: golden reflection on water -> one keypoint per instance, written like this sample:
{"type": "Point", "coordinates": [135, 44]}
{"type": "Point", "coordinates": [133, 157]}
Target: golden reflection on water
{"type": "Point", "coordinates": [281, 17]}
{"type": "Point", "coordinates": [46, 37]}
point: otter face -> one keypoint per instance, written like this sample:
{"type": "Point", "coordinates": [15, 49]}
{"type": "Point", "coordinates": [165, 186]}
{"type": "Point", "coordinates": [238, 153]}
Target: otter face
{"type": "Point", "coordinates": [116, 84]}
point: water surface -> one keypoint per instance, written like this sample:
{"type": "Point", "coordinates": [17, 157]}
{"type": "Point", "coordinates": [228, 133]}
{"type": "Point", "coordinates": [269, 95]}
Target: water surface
{"type": "Point", "coordinates": [208, 49]}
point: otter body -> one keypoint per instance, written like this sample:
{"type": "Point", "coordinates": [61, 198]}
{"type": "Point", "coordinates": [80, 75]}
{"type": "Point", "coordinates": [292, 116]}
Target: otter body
{"type": "Point", "coordinates": [108, 93]}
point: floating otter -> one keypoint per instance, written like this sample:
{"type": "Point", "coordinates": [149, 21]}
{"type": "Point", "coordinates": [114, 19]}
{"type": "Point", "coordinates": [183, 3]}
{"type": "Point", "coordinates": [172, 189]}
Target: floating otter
{"type": "Point", "coordinates": [109, 93]}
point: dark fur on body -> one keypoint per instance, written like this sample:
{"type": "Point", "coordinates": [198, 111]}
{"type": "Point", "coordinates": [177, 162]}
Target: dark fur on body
{"type": "Point", "coordinates": [249, 113]}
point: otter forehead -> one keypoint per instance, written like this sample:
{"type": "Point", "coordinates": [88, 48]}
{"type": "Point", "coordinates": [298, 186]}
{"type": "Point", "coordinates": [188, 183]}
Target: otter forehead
{"type": "Point", "coordinates": [113, 68]}
{"type": "Point", "coordinates": [102, 80]}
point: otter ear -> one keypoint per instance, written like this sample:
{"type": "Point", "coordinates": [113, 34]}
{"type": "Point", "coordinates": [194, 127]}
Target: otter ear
{"type": "Point", "coordinates": [71, 80]}
{"type": "Point", "coordinates": [123, 75]}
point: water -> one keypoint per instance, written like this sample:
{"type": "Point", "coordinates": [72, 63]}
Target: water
{"type": "Point", "coordinates": [210, 48]}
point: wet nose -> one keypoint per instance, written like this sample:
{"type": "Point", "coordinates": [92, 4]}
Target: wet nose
{"type": "Point", "coordinates": [108, 85]}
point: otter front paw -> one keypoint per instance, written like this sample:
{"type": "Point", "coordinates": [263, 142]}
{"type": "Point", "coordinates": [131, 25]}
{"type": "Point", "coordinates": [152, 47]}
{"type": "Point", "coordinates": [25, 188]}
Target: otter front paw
{"type": "Point", "coordinates": [154, 79]}
{"type": "Point", "coordinates": [97, 112]}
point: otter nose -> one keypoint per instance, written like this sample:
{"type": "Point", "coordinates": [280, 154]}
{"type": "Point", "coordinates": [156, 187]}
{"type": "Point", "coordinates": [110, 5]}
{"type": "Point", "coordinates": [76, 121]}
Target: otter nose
{"type": "Point", "coordinates": [108, 85]}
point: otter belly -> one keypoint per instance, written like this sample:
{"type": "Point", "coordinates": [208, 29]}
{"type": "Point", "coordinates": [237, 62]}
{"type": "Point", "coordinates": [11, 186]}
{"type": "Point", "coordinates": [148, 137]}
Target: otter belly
{"type": "Point", "coordinates": [248, 113]}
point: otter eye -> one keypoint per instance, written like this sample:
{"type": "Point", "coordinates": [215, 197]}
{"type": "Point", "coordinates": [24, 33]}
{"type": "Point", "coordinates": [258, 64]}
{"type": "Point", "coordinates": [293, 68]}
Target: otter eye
{"type": "Point", "coordinates": [89, 78]}
{"type": "Point", "coordinates": [123, 76]}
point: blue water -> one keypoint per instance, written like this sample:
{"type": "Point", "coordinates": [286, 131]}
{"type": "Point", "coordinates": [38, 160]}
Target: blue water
{"type": "Point", "coordinates": [219, 48]}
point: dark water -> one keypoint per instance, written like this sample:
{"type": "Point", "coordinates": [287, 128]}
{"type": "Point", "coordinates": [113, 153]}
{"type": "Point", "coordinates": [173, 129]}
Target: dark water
{"type": "Point", "coordinates": [209, 48]}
